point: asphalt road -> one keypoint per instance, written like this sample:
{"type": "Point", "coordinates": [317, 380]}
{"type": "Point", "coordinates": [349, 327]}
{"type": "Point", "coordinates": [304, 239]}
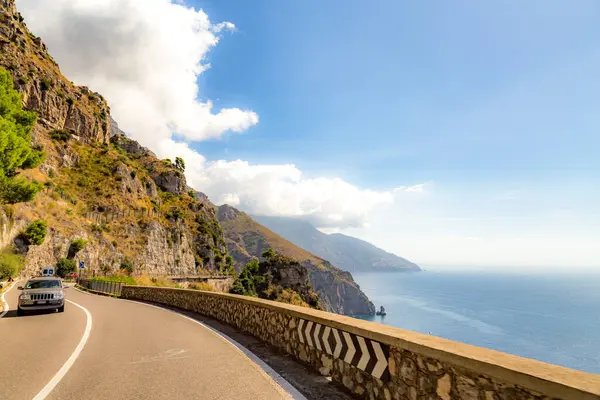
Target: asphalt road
{"type": "Point", "coordinates": [105, 348]}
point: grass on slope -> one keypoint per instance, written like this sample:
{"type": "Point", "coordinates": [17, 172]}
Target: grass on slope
{"type": "Point", "coordinates": [105, 193]}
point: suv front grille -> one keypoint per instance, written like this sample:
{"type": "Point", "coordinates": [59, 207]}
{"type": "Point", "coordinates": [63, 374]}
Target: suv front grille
{"type": "Point", "coordinates": [42, 296]}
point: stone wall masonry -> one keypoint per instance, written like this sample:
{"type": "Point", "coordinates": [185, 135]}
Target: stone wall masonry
{"type": "Point", "coordinates": [375, 361]}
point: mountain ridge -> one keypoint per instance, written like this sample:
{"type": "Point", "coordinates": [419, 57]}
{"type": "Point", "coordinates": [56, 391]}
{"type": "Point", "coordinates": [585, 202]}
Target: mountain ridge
{"type": "Point", "coordinates": [346, 252]}
{"type": "Point", "coordinates": [247, 239]}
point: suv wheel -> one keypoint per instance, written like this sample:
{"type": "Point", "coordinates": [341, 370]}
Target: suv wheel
{"type": "Point", "coordinates": [20, 312]}
{"type": "Point", "coordinates": [61, 308]}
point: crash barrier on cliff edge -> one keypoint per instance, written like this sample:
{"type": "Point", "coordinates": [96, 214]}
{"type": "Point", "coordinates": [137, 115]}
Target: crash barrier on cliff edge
{"type": "Point", "coordinates": [381, 362]}
{"type": "Point", "coordinates": [110, 288]}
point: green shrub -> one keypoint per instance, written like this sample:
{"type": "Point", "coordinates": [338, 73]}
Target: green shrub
{"type": "Point", "coordinates": [45, 84]}
{"type": "Point", "coordinates": [65, 266]}
{"type": "Point", "coordinates": [36, 157]}
{"type": "Point", "coordinates": [10, 265]}
{"type": "Point", "coordinates": [127, 266]}
{"type": "Point", "coordinates": [13, 191]}
{"type": "Point", "coordinates": [248, 281]}
{"type": "Point", "coordinates": [175, 214]}
{"type": "Point", "coordinates": [15, 144]}
{"type": "Point", "coordinates": [180, 164]}
{"type": "Point", "coordinates": [36, 232]}
{"type": "Point", "coordinates": [76, 246]}
{"type": "Point", "coordinates": [269, 253]}
{"type": "Point", "coordinates": [96, 228]}
{"type": "Point", "coordinates": [61, 135]}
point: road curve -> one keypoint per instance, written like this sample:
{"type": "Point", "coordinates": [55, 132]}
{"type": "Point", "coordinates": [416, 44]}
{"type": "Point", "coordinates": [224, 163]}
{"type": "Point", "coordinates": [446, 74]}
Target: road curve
{"type": "Point", "coordinates": [133, 351]}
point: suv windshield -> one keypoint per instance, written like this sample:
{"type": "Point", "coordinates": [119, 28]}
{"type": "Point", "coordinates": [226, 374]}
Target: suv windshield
{"type": "Point", "coordinates": [43, 284]}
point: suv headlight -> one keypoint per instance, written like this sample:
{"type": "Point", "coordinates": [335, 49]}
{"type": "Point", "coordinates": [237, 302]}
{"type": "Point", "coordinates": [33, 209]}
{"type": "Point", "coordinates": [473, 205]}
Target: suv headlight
{"type": "Point", "coordinates": [59, 295]}
{"type": "Point", "coordinates": [25, 297]}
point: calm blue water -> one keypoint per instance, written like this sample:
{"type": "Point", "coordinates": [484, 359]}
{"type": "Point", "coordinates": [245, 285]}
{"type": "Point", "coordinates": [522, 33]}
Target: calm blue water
{"type": "Point", "coordinates": [549, 317]}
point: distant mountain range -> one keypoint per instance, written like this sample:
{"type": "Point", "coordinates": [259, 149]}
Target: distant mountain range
{"type": "Point", "coordinates": [346, 252]}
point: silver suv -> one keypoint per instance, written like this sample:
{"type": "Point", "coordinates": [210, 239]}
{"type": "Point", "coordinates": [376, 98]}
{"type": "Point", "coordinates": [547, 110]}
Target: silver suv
{"type": "Point", "coordinates": [42, 294]}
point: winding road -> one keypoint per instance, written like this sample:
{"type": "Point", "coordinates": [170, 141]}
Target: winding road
{"type": "Point", "coordinates": [106, 348]}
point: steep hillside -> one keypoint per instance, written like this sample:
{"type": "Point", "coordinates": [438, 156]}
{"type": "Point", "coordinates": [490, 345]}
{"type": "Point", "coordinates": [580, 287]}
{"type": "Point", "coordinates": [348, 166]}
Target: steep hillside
{"type": "Point", "coordinates": [349, 253]}
{"type": "Point", "coordinates": [246, 239]}
{"type": "Point", "coordinates": [130, 209]}
{"type": "Point", "coordinates": [278, 278]}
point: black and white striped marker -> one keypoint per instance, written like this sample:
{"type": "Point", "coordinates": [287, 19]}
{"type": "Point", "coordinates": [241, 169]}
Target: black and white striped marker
{"type": "Point", "coordinates": [365, 354]}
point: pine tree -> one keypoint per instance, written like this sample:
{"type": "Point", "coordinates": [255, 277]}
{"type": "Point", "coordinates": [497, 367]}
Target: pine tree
{"type": "Point", "coordinates": [15, 144]}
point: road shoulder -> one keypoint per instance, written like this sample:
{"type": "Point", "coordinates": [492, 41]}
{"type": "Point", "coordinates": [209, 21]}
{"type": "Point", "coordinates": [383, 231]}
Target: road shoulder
{"type": "Point", "coordinates": [302, 379]}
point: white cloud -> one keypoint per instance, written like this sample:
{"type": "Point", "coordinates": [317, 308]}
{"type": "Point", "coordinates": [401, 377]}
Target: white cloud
{"type": "Point", "coordinates": [284, 190]}
{"type": "Point", "coordinates": [145, 57]}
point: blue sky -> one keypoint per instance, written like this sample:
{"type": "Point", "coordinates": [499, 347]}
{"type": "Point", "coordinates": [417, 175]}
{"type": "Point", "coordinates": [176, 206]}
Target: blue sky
{"type": "Point", "coordinates": [495, 103]}
{"type": "Point", "coordinates": [403, 92]}
{"type": "Point", "coordinates": [486, 111]}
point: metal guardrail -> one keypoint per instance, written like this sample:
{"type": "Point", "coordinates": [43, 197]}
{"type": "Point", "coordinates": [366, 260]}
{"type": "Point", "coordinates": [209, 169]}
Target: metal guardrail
{"type": "Point", "coordinates": [112, 288]}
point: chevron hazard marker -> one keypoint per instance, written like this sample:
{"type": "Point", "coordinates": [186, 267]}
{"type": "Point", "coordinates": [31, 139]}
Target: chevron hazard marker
{"type": "Point", "coordinates": [365, 354]}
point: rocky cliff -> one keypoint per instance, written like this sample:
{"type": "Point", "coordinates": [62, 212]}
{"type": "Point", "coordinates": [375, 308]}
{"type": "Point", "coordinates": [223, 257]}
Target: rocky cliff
{"type": "Point", "coordinates": [246, 239]}
{"type": "Point", "coordinates": [130, 207]}
{"type": "Point", "coordinates": [58, 103]}
{"type": "Point", "coordinates": [278, 278]}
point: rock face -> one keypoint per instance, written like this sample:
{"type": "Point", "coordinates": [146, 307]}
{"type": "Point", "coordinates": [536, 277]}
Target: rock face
{"type": "Point", "coordinates": [114, 128]}
{"type": "Point", "coordinates": [130, 207]}
{"type": "Point", "coordinates": [343, 298]}
{"type": "Point", "coordinates": [348, 253]}
{"type": "Point", "coordinates": [247, 239]}
{"type": "Point", "coordinates": [59, 104]}
{"type": "Point", "coordinates": [9, 227]}
{"type": "Point", "coordinates": [170, 181]}
{"type": "Point", "coordinates": [130, 146]}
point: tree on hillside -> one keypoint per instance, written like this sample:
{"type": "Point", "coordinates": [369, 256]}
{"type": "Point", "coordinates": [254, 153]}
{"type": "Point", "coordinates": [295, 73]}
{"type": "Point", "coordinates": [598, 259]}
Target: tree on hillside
{"type": "Point", "coordinates": [180, 164]}
{"type": "Point", "coordinates": [65, 266]}
{"type": "Point", "coordinates": [76, 246]}
{"type": "Point", "coordinates": [269, 253]}
{"type": "Point", "coordinates": [249, 281]}
{"type": "Point", "coordinates": [15, 144]}
{"type": "Point", "coordinates": [36, 232]}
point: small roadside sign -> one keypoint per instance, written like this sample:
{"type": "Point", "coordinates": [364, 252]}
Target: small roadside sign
{"type": "Point", "coordinates": [81, 265]}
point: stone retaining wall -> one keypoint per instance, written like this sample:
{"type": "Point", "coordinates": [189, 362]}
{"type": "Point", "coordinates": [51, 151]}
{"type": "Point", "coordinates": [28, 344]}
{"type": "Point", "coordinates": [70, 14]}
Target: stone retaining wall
{"type": "Point", "coordinates": [375, 361]}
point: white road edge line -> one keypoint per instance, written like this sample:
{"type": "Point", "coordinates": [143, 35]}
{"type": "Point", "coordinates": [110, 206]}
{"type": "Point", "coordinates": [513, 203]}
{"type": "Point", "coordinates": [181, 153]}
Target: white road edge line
{"type": "Point", "coordinates": [280, 380]}
{"type": "Point", "coordinates": [71, 360]}
{"type": "Point", "coordinates": [5, 305]}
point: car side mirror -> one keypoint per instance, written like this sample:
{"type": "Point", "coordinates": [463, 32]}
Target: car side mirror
{"type": "Point", "coordinates": [20, 288]}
